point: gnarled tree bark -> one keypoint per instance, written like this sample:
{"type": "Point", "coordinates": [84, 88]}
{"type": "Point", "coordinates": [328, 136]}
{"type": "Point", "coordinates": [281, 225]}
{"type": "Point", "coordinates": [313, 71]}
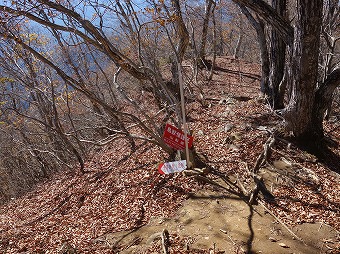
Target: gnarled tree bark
{"type": "Point", "coordinates": [265, 63]}
{"type": "Point", "coordinates": [270, 15]}
{"type": "Point", "coordinates": [277, 60]}
{"type": "Point", "coordinates": [323, 99]}
{"type": "Point", "coordinates": [304, 71]}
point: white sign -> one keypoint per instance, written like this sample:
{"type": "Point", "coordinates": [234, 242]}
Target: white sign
{"type": "Point", "coordinates": [172, 167]}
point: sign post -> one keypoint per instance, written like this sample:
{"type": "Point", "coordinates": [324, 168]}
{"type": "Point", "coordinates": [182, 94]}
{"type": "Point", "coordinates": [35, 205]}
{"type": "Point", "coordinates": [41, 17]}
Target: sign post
{"type": "Point", "coordinates": [176, 138]}
{"type": "Point", "coordinates": [180, 79]}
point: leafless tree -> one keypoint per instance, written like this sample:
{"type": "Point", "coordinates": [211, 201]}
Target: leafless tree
{"type": "Point", "coordinates": [307, 101]}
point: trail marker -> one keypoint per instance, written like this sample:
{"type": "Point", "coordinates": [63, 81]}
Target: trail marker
{"type": "Point", "coordinates": [175, 137]}
{"type": "Point", "coordinates": [172, 167]}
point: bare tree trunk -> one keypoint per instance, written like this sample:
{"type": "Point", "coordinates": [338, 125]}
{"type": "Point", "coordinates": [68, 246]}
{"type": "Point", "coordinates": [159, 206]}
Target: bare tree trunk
{"type": "Point", "coordinates": [323, 98]}
{"type": "Point", "coordinates": [266, 12]}
{"type": "Point", "coordinates": [213, 62]}
{"type": "Point", "coordinates": [265, 63]}
{"type": "Point", "coordinates": [205, 26]}
{"type": "Point", "coordinates": [278, 56]}
{"type": "Point", "coordinates": [304, 70]}
{"type": "Point", "coordinates": [238, 45]}
{"type": "Point", "coordinates": [219, 49]}
{"type": "Point", "coordinates": [36, 154]}
{"type": "Point", "coordinates": [330, 38]}
{"type": "Point", "coordinates": [183, 42]}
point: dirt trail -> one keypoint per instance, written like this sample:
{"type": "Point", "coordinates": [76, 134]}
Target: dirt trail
{"type": "Point", "coordinates": [228, 224]}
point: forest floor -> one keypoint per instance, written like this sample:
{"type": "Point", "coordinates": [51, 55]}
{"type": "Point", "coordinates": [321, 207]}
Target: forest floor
{"type": "Point", "coordinates": [123, 205]}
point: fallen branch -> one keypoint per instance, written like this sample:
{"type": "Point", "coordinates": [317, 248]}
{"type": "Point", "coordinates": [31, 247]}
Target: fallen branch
{"type": "Point", "coordinates": [308, 171]}
{"type": "Point", "coordinates": [225, 179]}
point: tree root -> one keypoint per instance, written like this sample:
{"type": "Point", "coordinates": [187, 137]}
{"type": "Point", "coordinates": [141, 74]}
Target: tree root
{"type": "Point", "coordinates": [263, 157]}
{"type": "Point", "coordinates": [165, 241]}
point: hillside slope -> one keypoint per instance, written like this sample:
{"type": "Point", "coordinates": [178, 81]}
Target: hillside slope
{"type": "Point", "coordinates": [123, 195]}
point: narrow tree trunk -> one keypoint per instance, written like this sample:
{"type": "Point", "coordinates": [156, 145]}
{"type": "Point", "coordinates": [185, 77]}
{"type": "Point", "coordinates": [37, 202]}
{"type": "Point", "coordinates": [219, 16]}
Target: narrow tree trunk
{"type": "Point", "coordinates": [208, 6]}
{"type": "Point", "coordinates": [238, 45]}
{"type": "Point", "coordinates": [266, 12]}
{"type": "Point", "coordinates": [183, 42]}
{"type": "Point", "coordinates": [219, 49]}
{"type": "Point", "coordinates": [265, 63]}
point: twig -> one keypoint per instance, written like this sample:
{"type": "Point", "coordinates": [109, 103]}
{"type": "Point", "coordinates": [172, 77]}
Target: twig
{"type": "Point", "coordinates": [324, 224]}
{"type": "Point", "coordinates": [310, 172]}
{"type": "Point", "coordinates": [225, 178]}
{"type": "Point", "coordinates": [241, 186]}
{"type": "Point", "coordinates": [254, 194]}
{"type": "Point", "coordinates": [235, 243]}
{"type": "Point", "coordinates": [195, 171]}
{"type": "Point", "coordinates": [231, 240]}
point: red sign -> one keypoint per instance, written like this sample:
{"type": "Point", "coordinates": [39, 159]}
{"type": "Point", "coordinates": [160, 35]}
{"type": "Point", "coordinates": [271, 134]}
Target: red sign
{"type": "Point", "coordinates": [175, 137]}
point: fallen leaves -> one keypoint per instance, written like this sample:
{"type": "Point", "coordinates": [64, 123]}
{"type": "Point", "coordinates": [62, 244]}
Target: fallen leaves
{"type": "Point", "coordinates": [78, 209]}
{"type": "Point", "coordinates": [123, 189]}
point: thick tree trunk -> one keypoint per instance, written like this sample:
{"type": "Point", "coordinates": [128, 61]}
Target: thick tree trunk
{"type": "Point", "coordinates": [304, 70]}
